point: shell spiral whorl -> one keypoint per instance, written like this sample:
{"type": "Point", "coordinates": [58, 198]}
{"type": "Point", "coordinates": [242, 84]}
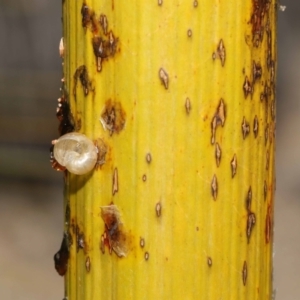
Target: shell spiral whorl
{"type": "Point", "coordinates": [76, 152]}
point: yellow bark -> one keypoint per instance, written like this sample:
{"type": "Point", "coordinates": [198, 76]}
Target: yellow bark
{"type": "Point", "coordinates": [182, 95]}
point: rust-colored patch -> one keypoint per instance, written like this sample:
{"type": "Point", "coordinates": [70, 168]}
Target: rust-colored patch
{"type": "Point", "coordinates": [268, 226]}
{"type": "Point", "coordinates": [113, 117]}
{"type": "Point", "coordinates": [82, 74]}
{"type": "Point", "coordinates": [62, 256]}
{"type": "Point", "coordinates": [113, 236]}
{"type": "Point", "coordinates": [88, 18]}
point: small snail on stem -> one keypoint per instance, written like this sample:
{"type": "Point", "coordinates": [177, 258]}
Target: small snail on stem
{"type": "Point", "coordinates": [76, 152]}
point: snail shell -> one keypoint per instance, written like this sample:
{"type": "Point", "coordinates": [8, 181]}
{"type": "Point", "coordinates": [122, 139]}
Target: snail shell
{"type": "Point", "coordinates": [76, 152]}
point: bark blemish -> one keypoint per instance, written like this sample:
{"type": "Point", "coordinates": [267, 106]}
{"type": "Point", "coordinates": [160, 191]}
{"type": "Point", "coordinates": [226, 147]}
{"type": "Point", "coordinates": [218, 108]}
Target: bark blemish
{"type": "Point", "coordinates": [113, 117]}
{"type": "Point", "coordinates": [164, 78]}
{"type": "Point", "coordinates": [214, 187]}
{"type": "Point", "coordinates": [113, 236]}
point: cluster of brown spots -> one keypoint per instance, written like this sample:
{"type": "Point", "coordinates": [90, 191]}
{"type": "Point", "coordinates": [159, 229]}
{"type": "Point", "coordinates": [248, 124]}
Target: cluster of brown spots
{"type": "Point", "coordinates": [188, 105]}
{"type": "Point", "coordinates": [164, 77]}
{"type": "Point", "coordinates": [259, 20]}
{"type": "Point", "coordinates": [113, 117]}
{"type": "Point", "coordinates": [233, 164]}
{"type": "Point", "coordinates": [251, 218]}
{"type": "Point", "coordinates": [218, 154]}
{"type": "Point", "coordinates": [218, 119]}
{"type": "Point", "coordinates": [104, 48]}
{"type": "Point", "coordinates": [220, 53]}
{"type": "Point", "coordinates": [255, 126]}
{"type": "Point", "coordinates": [105, 43]}
{"type": "Point", "coordinates": [247, 87]}
{"type": "Point", "coordinates": [62, 256]}
{"type": "Point", "coordinates": [82, 74]}
{"type": "Point", "coordinates": [115, 182]}
{"type": "Point", "coordinates": [88, 264]}
{"type": "Point", "coordinates": [113, 235]}
{"type": "Point", "coordinates": [245, 128]}
{"type": "Point", "coordinates": [214, 187]}
{"type": "Point", "coordinates": [244, 273]}
{"type": "Point", "coordinates": [158, 209]}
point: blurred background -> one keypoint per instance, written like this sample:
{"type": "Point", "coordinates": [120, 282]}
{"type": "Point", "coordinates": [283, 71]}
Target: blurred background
{"type": "Point", "coordinates": [31, 216]}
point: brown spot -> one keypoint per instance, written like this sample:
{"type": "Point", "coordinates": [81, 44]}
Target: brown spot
{"type": "Point", "coordinates": [233, 164]}
{"type": "Point", "coordinates": [115, 185]}
{"type": "Point", "coordinates": [146, 255]}
{"type": "Point", "coordinates": [148, 158]}
{"type": "Point", "coordinates": [142, 242]}
{"type": "Point", "coordinates": [80, 243]}
{"type": "Point", "coordinates": [268, 226]}
{"type": "Point", "coordinates": [266, 134]}
{"type": "Point", "coordinates": [244, 273]}
{"type": "Point", "coordinates": [88, 264]}
{"type": "Point", "coordinates": [251, 219]}
{"type": "Point", "coordinates": [114, 237]}
{"type": "Point", "coordinates": [188, 106]}
{"type": "Point", "coordinates": [158, 209]}
{"type": "Point", "coordinates": [164, 77]}
{"type": "Point", "coordinates": [104, 23]}
{"type": "Point", "coordinates": [214, 187]}
{"type": "Point", "coordinates": [102, 150]}
{"type": "Point", "coordinates": [267, 160]}
{"type": "Point", "coordinates": [221, 52]}
{"type": "Point", "coordinates": [249, 199]}
{"type": "Point", "coordinates": [247, 87]}
{"type": "Point", "coordinates": [88, 17]}
{"type": "Point", "coordinates": [189, 33]}
{"type": "Point", "coordinates": [62, 256]}
{"type": "Point", "coordinates": [257, 71]}
{"type": "Point", "coordinates": [255, 126]}
{"type": "Point", "coordinates": [195, 3]}
{"type": "Point", "coordinates": [144, 178]}
{"type": "Point", "coordinates": [113, 117]}
{"type": "Point", "coordinates": [218, 154]}
{"type": "Point", "coordinates": [160, 2]}
{"type": "Point", "coordinates": [218, 119]}
{"type": "Point", "coordinates": [82, 74]}
{"type": "Point", "coordinates": [245, 128]}
{"type": "Point", "coordinates": [209, 261]}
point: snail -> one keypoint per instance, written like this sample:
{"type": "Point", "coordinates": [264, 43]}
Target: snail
{"type": "Point", "coordinates": [76, 152]}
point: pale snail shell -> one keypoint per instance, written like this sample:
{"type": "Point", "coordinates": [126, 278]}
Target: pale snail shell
{"type": "Point", "coordinates": [76, 152]}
